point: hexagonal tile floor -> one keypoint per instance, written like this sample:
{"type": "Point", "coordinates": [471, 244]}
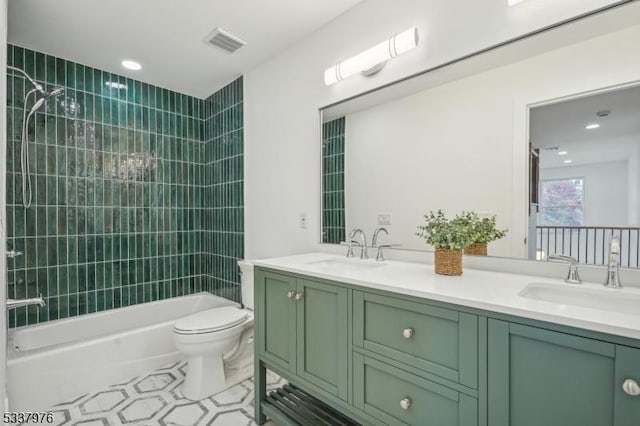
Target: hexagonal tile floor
{"type": "Point", "coordinates": [156, 399]}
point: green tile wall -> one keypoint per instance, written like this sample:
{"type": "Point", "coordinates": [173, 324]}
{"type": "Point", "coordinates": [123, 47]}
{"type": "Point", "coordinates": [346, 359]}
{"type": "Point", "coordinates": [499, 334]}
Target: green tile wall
{"type": "Point", "coordinates": [137, 192]}
{"type": "Point", "coordinates": [333, 226]}
{"type": "Point", "coordinates": [223, 220]}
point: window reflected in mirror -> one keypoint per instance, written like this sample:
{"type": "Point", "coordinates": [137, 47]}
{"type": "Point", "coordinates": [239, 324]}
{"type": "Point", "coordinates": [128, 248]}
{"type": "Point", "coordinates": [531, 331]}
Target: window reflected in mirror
{"type": "Point", "coordinates": [589, 177]}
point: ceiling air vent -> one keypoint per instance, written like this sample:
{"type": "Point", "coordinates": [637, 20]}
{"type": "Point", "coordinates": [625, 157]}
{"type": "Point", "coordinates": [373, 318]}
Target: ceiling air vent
{"type": "Point", "coordinates": [224, 40]}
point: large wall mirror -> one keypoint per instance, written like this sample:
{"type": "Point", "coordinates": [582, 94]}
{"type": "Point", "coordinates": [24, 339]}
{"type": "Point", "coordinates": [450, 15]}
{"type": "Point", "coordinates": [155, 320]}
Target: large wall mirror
{"type": "Point", "coordinates": [543, 133]}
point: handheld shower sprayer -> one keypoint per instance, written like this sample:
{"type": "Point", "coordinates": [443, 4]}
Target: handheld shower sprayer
{"type": "Point", "coordinates": [24, 154]}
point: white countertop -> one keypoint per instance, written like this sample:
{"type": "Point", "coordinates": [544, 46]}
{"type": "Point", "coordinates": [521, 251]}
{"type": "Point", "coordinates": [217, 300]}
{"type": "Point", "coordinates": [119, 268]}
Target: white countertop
{"type": "Point", "coordinates": [491, 291]}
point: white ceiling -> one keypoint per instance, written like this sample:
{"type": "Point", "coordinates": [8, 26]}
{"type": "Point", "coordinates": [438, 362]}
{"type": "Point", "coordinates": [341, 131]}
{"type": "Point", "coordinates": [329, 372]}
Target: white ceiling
{"type": "Point", "coordinates": [166, 36]}
{"type": "Point", "coordinates": [562, 126]}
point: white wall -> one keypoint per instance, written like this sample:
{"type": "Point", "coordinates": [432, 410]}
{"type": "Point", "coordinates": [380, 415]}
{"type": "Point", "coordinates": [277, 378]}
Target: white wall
{"type": "Point", "coordinates": [446, 148]}
{"type": "Point", "coordinates": [633, 176]}
{"type": "Point", "coordinates": [605, 190]}
{"type": "Point", "coordinates": [282, 97]}
{"type": "Point", "coordinates": [3, 201]}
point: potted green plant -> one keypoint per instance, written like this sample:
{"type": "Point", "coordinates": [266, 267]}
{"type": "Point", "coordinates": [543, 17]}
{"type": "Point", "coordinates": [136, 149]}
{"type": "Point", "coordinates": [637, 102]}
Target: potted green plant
{"type": "Point", "coordinates": [448, 238]}
{"type": "Point", "coordinates": [481, 231]}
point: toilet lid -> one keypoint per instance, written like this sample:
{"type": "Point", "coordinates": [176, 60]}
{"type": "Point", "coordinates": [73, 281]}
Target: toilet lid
{"type": "Point", "coordinates": [215, 319]}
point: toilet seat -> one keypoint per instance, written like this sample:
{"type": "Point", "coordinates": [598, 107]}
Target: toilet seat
{"type": "Point", "coordinates": [211, 320]}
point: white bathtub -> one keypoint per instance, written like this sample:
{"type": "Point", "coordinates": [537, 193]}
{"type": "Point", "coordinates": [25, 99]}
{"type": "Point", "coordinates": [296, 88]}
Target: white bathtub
{"type": "Point", "coordinates": [59, 360]}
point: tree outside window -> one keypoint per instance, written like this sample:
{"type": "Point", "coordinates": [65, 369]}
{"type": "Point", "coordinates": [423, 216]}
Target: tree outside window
{"type": "Point", "coordinates": [562, 202]}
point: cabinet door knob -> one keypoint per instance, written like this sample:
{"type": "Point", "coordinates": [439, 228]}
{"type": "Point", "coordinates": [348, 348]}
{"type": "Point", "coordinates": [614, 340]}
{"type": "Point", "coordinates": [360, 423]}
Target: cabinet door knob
{"type": "Point", "coordinates": [298, 296]}
{"type": "Point", "coordinates": [291, 294]}
{"type": "Point", "coordinates": [631, 387]}
{"type": "Point", "coordinates": [407, 333]}
{"type": "Point", "coordinates": [405, 403]}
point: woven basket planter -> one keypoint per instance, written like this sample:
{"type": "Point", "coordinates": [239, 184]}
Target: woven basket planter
{"type": "Point", "coordinates": [448, 262]}
{"type": "Point", "coordinates": [476, 249]}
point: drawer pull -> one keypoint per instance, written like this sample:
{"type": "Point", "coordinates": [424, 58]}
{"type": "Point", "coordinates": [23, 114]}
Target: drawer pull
{"type": "Point", "coordinates": [291, 294]}
{"type": "Point", "coordinates": [405, 403]}
{"type": "Point", "coordinates": [631, 387]}
{"type": "Point", "coordinates": [407, 333]}
{"type": "Point", "coordinates": [299, 296]}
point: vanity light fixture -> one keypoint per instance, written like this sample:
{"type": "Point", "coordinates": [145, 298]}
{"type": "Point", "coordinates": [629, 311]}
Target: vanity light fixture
{"type": "Point", "coordinates": [563, 152]}
{"type": "Point", "coordinates": [131, 65]}
{"type": "Point", "coordinates": [568, 161]}
{"type": "Point", "coordinates": [592, 126]}
{"type": "Point", "coordinates": [373, 59]}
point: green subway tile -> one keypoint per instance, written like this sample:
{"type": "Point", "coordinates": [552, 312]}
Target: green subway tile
{"type": "Point", "coordinates": [79, 77]}
{"type": "Point", "coordinates": [70, 69]}
{"type": "Point", "coordinates": [135, 167]}
{"type": "Point", "coordinates": [29, 58]}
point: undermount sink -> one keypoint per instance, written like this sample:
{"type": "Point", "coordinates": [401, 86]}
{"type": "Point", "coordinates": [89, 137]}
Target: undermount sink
{"type": "Point", "coordinates": [611, 300]}
{"type": "Point", "coordinates": [346, 264]}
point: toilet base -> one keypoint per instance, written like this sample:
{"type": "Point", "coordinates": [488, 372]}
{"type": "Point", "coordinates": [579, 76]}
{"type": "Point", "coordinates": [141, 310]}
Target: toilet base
{"type": "Point", "coordinates": [207, 376]}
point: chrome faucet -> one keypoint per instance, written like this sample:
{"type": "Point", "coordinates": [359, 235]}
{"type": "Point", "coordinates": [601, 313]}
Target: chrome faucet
{"type": "Point", "coordinates": [572, 277]}
{"type": "Point", "coordinates": [362, 243]}
{"type": "Point", "coordinates": [17, 303]}
{"type": "Point", "coordinates": [613, 277]}
{"type": "Point", "coordinates": [375, 235]}
{"type": "Point", "coordinates": [350, 247]}
{"type": "Point", "coordinates": [374, 241]}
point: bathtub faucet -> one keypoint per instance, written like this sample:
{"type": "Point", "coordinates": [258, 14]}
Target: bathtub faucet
{"type": "Point", "coordinates": [16, 303]}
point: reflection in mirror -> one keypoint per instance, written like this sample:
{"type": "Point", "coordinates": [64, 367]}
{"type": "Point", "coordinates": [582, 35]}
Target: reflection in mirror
{"type": "Point", "coordinates": [587, 184]}
{"type": "Point", "coordinates": [333, 181]}
{"type": "Point", "coordinates": [458, 138]}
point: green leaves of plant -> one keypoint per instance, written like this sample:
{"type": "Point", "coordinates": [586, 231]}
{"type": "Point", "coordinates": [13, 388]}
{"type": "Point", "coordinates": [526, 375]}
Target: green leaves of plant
{"type": "Point", "coordinates": [455, 234]}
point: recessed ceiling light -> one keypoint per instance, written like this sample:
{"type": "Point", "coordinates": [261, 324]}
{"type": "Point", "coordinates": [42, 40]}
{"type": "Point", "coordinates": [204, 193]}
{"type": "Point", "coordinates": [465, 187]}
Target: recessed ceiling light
{"type": "Point", "coordinates": [131, 65]}
{"type": "Point", "coordinates": [592, 126]}
{"type": "Point", "coordinates": [563, 152]}
{"type": "Point", "coordinates": [568, 161]}
{"type": "Point", "coordinates": [514, 2]}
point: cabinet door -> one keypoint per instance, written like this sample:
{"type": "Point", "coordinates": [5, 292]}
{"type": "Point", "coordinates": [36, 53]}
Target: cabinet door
{"type": "Point", "coordinates": [540, 377]}
{"type": "Point", "coordinates": [322, 336]}
{"type": "Point", "coordinates": [627, 407]}
{"type": "Point", "coordinates": [276, 318]}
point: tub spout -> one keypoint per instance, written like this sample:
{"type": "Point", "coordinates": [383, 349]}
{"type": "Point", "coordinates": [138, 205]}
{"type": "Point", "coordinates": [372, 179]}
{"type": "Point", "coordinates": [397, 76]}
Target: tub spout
{"type": "Point", "coordinates": [16, 303]}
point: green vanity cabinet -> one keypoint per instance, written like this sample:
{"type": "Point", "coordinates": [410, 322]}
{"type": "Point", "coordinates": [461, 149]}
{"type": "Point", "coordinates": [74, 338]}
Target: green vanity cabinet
{"type": "Point", "coordinates": [383, 358]}
{"type": "Point", "coordinates": [542, 377]}
{"type": "Point", "coordinates": [303, 328]}
{"type": "Point", "coordinates": [366, 353]}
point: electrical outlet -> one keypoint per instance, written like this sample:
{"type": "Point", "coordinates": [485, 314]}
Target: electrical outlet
{"type": "Point", "coordinates": [384, 219]}
{"type": "Point", "coordinates": [303, 221]}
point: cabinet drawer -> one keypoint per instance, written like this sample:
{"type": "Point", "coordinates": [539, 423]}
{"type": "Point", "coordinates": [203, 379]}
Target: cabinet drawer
{"type": "Point", "coordinates": [441, 341]}
{"type": "Point", "coordinates": [381, 390]}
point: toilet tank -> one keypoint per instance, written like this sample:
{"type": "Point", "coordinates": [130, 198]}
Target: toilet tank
{"type": "Point", "coordinates": [246, 282]}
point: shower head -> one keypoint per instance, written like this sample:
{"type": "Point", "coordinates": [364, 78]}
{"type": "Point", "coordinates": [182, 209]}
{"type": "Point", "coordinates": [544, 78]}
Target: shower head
{"type": "Point", "coordinates": [55, 92]}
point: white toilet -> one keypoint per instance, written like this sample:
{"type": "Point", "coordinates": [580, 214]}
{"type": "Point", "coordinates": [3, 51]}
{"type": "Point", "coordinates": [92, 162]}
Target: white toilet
{"type": "Point", "coordinates": [218, 344]}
